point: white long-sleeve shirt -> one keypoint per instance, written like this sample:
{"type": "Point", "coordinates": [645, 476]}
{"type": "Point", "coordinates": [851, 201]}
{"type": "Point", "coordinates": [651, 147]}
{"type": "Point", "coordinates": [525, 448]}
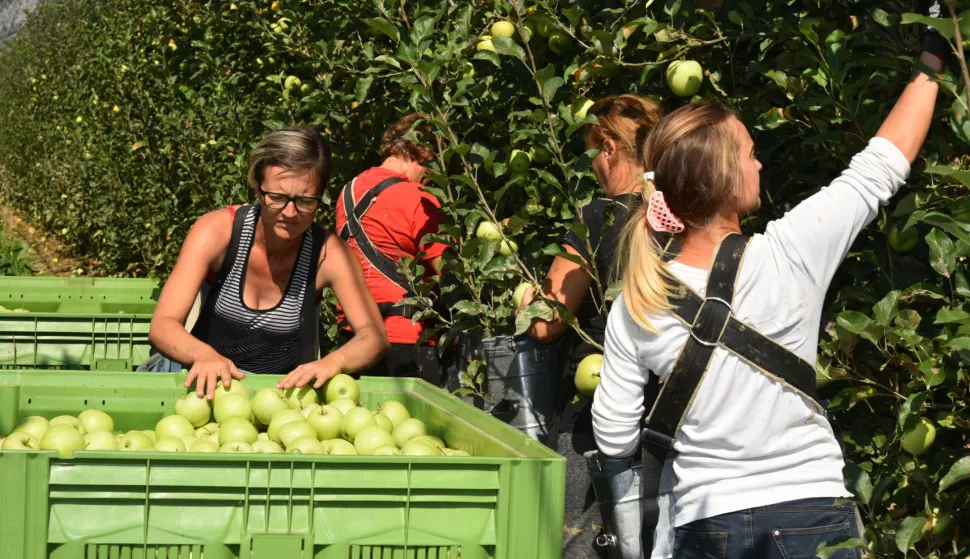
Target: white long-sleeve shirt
{"type": "Point", "coordinates": [746, 440]}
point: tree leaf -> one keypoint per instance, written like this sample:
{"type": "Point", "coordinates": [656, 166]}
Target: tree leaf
{"type": "Point", "coordinates": [363, 85]}
{"type": "Point", "coordinates": [943, 25]}
{"type": "Point", "coordinates": [942, 257]}
{"type": "Point", "coordinates": [948, 316]}
{"type": "Point", "coordinates": [857, 481]}
{"type": "Point", "coordinates": [853, 321]}
{"type": "Point", "coordinates": [508, 47]}
{"type": "Point", "coordinates": [959, 471]}
{"type": "Point", "coordinates": [384, 26]}
{"type": "Point", "coordinates": [886, 309]}
{"type": "Point", "coordinates": [910, 532]}
{"type": "Point", "coordinates": [826, 550]}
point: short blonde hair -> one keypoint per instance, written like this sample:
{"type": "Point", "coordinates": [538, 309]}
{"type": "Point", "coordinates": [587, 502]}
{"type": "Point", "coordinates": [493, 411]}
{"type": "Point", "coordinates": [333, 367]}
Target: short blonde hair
{"type": "Point", "coordinates": [298, 148]}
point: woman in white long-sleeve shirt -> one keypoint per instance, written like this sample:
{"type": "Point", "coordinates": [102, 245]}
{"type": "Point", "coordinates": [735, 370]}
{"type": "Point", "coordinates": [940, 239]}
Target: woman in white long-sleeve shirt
{"type": "Point", "coordinates": [756, 470]}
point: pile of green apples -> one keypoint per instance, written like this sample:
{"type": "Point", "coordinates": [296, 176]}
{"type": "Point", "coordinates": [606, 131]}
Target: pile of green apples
{"type": "Point", "coordinates": [271, 421]}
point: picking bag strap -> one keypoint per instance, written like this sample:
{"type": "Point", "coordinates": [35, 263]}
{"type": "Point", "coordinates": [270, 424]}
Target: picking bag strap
{"type": "Point", "coordinates": [353, 228]}
{"type": "Point", "coordinates": [210, 292]}
{"type": "Point", "coordinates": [309, 337]}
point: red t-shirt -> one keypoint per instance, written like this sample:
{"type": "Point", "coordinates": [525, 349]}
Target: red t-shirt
{"type": "Point", "coordinates": [395, 223]}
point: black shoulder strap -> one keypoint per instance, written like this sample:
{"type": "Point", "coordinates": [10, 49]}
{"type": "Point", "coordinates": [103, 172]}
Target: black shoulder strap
{"type": "Point", "coordinates": [211, 291]}
{"type": "Point", "coordinates": [309, 343]}
{"type": "Point", "coordinates": [353, 228]}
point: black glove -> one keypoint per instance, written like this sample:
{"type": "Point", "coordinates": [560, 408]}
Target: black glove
{"type": "Point", "coordinates": [933, 42]}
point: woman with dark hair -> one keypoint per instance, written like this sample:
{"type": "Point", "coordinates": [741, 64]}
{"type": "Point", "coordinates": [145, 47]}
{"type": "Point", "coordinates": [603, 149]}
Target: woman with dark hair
{"type": "Point", "coordinates": [262, 269]}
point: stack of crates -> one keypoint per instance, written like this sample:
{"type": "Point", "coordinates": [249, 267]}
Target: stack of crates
{"type": "Point", "coordinates": [75, 323]}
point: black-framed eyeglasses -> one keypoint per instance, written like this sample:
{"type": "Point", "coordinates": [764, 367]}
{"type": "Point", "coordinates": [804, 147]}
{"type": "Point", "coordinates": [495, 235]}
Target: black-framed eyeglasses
{"type": "Point", "coordinates": [279, 201]}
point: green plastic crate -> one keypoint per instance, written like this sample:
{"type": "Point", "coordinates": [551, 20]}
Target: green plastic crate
{"type": "Point", "coordinates": [504, 503]}
{"type": "Point", "coordinates": [73, 341]}
{"type": "Point", "coordinates": [79, 295]}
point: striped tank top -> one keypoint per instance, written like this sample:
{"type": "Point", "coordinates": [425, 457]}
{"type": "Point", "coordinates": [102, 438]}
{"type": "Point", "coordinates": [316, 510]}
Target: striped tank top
{"type": "Point", "coordinates": [260, 341]}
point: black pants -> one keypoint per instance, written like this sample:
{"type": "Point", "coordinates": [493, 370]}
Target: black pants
{"type": "Point", "coordinates": [408, 360]}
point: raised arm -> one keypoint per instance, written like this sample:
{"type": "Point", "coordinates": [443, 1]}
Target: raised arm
{"type": "Point", "coordinates": [567, 282]}
{"type": "Point", "coordinates": [816, 235]}
{"type": "Point", "coordinates": [203, 250]}
{"type": "Point", "coordinates": [340, 270]}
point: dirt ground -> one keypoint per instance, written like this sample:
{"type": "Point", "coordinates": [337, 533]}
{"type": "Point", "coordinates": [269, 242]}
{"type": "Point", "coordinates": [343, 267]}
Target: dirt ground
{"type": "Point", "coordinates": [49, 255]}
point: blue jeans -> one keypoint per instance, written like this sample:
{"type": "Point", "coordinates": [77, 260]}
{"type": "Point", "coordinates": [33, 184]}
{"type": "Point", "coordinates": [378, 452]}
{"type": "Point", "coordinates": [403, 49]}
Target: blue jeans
{"type": "Point", "coordinates": [791, 530]}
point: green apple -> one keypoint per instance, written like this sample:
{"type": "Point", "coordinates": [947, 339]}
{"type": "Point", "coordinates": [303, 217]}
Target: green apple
{"type": "Point", "coordinates": [299, 396]}
{"type": "Point", "coordinates": [326, 420]}
{"type": "Point", "coordinates": [488, 230]}
{"type": "Point", "coordinates": [231, 405]}
{"type": "Point", "coordinates": [685, 77]}
{"type": "Point", "coordinates": [408, 430]}
{"type": "Point", "coordinates": [235, 387]}
{"type": "Point", "coordinates": [420, 448]}
{"type": "Point", "coordinates": [371, 438]}
{"type": "Point", "coordinates": [193, 408]}
{"type": "Point", "coordinates": [280, 419]}
{"type": "Point", "coordinates": [136, 441]}
{"type": "Point", "coordinates": [267, 402]}
{"type": "Point", "coordinates": [100, 439]}
{"type": "Point", "coordinates": [341, 386]}
{"type": "Point", "coordinates": [294, 430]}
{"type": "Point", "coordinates": [540, 155]}
{"type": "Point", "coordinates": [485, 44]}
{"type": "Point", "coordinates": [174, 426]}
{"type": "Point", "coordinates": [151, 435]}
{"type": "Point", "coordinates": [34, 425]}
{"type": "Point", "coordinates": [387, 450]}
{"type": "Point", "coordinates": [354, 421]}
{"type": "Point", "coordinates": [237, 447]}
{"type": "Point", "coordinates": [581, 108]}
{"type": "Point", "coordinates": [383, 422]}
{"type": "Point", "coordinates": [588, 374]}
{"type": "Point", "coordinates": [206, 430]}
{"type": "Point", "coordinates": [292, 82]}
{"type": "Point", "coordinates": [919, 438]}
{"type": "Point", "coordinates": [508, 247]}
{"type": "Point", "coordinates": [545, 25]}
{"type": "Point", "coordinates": [308, 409]}
{"type": "Point", "coordinates": [306, 445]}
{"type": "Point", "coordinates": [262, 436]}
{"type": "Point", "coordinates": [467, 70]}
{"type": "Point", "coordinates": [560, 43]}
{"type": "Point", "coordinates": [236, 429]}
{"type": "Point", "coordinates": [267, 447]}
{"type": "Point", "coordinates": [503, 29]}
{"type": "Point", "coordinates": [343, 404]}
{"type": "Point", "coordinates": [519, 294]}
{"type": "Point", "coordinates": [94, 420]}
{"type": "Point", "coordinates": [306, 89]}
{"type": "Point", "coordinates": [204, 446]}
{"type": "Point", "coordinates": [189, 441]}
{"type": "Point", "coordinates": [70, 421]}
{"type": "Point", "coordinates": [63, 438]}
{"type": "Point", "coordinates": [903, 241]}
{"type": "Point", "coordinates": [396, 412]}
{"type": "Point", "coordinates": [338, 447]}
{"type": "Point", "coordinates": [21, 440]}
{"type": "Point", "coordinates": [170, 444]}
{"type": "Point", "coordinates": [520, 160]}
{"type": "Point", "coordinates": [432, 440]}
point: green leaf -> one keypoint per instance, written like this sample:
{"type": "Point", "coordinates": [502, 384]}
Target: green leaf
{"type": "Point", "coordinates": [912, 405]}
{"type": "Point", "coordinates": [826, 550]}
{"type": "Point", "coordinates": [949, 316]}
{"type": "Point", "coordinates": [959, 471]}
{"type": "Point", "coordinates": [943, 25]}
{"type": "Point", "coordinates": [422, 28]}
{"type": "Point", "coordinates": [881, 17]}
{"type": "Point", "coordinates": [508, 47]}
{"type": "Point", "coordinates": [942, 257]}
{"type": "Point", "coordinates": [363, 85]}
{"type": "Point", "coordinates": [910, 532]}
{"type": "Point", "coordinates": [385, 27]}
{"type": "Point", "coordinates": [857, 481]}
{"type": "Point", "coordinates": [885, 310]}
{"type": "Point", "coordinates": [853, 321]}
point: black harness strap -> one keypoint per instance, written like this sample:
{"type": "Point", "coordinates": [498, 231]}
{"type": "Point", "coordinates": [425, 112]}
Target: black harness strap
{"type": "Point", "coordinates": [712, 324]}
{"type": "Point", "coordinates": [353, 228]}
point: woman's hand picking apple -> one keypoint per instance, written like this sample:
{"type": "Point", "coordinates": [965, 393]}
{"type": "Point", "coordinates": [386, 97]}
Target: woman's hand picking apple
{"type": "Point", "coordinates": [321, 371]}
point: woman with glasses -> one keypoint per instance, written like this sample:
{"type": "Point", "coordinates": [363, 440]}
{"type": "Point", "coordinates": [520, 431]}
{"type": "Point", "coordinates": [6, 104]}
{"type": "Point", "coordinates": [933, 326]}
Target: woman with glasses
{"type": "Point", "coordinates": [261, 269]}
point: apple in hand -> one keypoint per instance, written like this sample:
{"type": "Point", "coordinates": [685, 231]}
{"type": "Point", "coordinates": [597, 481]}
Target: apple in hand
{"type": "Point", "coordinates": [588, 374]}
{"type": "Point", "coordinates": [341, 386]}
{"type": "Point", "coordinates": [408, 430]}
{"type": "Point", "coordinates": [63, 438]}
{"type": "Point", "coordinates": [100, 439]}
{"type": "Point", "coordinates": [306, 445]}
{"type": "Point", "coordinates": [280, 419]}
{"type": "Point", "coordinates": [21, 440]}
{"type": "Point", "coordinates": [326, 422]}
{"type": "Point", "coordinates": [338, 447]}
{"type": "Point", "coordinates": [354, 421]}
{"type": "Point", "coordinates": [236, 429]}
{"type": "Point", "coordinates": [193, 408]}
{"type": "Point", "coordinates": [94, 420]}
{"type": "Point", "coordinates": [371, 438]}
{"type": "Point", "coordinates": [173, 426]}
{"type": "Point", "coordinates": [396, 412]}
{"type": "Point", "coordinates": [34, 425]}
{"type": "Point", "coordinates": [170, 444]}
{"type": "Point", "coordinates": [136, 441]}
